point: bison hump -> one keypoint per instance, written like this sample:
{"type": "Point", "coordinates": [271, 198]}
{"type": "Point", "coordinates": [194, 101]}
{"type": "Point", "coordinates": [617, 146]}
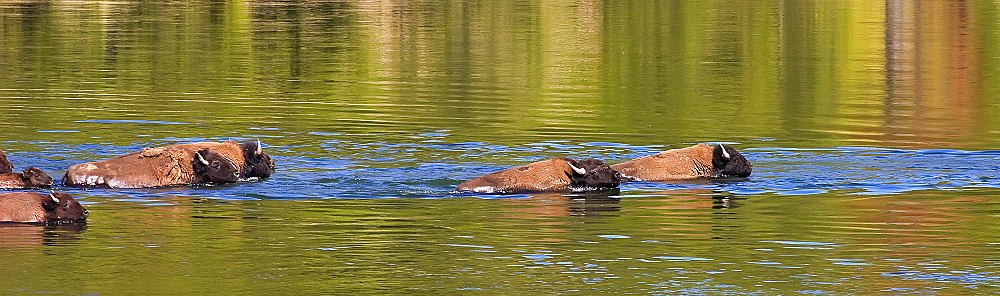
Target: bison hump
{"type": "Point", "coordinates": [151, 152]}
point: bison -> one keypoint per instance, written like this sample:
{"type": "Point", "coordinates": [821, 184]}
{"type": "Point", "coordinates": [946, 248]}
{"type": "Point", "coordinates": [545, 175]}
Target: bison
{"type": "Point", "coordinates": [29, 178]}
{"type": "Point", "coordinates": [33, 207]}
{"type": "Point", "coordinates": [5, 165]}
{"type": "Point", "coordinates": [553, 175]}
{"type": "Point", "coordinates": [698, 161]}
{"type": "Point", "coordinates": [155, 167]}
{"type": "Point", "coordinates": [248, 157]}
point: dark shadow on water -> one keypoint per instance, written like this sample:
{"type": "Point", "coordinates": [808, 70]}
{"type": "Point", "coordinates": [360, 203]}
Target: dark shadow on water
{"type": "Point", "coordinates": [596, 203]}
{"type": "Point", "coordinates": [32, 235]}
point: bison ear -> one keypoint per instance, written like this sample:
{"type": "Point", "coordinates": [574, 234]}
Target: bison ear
{"type": "Point", "coordinates": [50, 202]}
{"type": "Point", "coordinates": [580, 171]}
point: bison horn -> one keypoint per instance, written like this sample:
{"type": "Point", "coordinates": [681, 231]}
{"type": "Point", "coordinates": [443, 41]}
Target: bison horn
{"type": "Point", "coordinates": [53, 196]}
{"type": "Point", "coordinates": [260, 150]}
{"type": "Point", "coordinates": [201, 159]}
{"type": "Point", "coordinates": [725, 154]}
{"type": "Point", "coordinates": [580, 171]}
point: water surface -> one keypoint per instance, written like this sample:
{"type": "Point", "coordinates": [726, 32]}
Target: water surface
{"type": "Point", "coordinates": [872, 127]}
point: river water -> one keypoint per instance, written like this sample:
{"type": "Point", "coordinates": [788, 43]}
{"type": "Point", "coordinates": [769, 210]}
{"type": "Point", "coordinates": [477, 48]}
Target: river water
{"type": "Point", "coordinates": [872, 127]}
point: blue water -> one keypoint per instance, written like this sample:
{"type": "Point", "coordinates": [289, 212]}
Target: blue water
{"type": "Point", "coordinates": [428, 166]}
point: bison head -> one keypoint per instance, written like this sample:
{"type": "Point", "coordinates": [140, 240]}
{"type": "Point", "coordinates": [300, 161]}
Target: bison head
{"type": "Point", "coordinates": [730, 163]}
{"type": "Point", "coordinates": [5, 165]}
{"type": "Point", "coordinates": [258, 164]}
{"type": "Point", "coordinates": [35, 178]}
{"type": "Point", "coordinates": [210, 167]}
{"type": "Point", "coordinates": [590, 174]}
{"type": "Point", "coordinates": [61, 207]}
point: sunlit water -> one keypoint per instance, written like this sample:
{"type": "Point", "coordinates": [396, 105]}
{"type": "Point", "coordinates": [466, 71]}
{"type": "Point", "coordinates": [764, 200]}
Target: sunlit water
{"type": "Point", "coordinates": [872, 129]}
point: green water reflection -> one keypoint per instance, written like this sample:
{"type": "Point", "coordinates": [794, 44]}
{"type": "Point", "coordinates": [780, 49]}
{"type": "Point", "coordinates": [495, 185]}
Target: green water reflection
{"type": "Point", "coordinates": [679, 242]}
{"type": "Point", "coordinates": [801, 73]}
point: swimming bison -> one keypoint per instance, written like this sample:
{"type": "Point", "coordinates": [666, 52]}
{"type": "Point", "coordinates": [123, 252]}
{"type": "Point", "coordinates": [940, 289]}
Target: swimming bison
{"type": "Point", "coordinates": [249, 158]}
{"type": "Point", "coordinates": [33, 207]}
{"type": "Point", "coordinates": [29, 178]}
{"type": "Point", "coordinates": [553, 175]}
{"type": "Point", "coordinates": [698, 161]}
{"type": "Point", "coordinates": [181, 164]}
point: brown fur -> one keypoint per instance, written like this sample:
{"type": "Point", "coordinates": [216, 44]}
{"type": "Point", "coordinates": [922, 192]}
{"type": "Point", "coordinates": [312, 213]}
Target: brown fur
{"type": "Point", "coordinates": [33, 207]}
{"type": "Point", "coordinates": [698, 161]}
{"type": "Point", "coordinates": [250, 162]}
{"type": "Point", "coordinates": [29, 178]}
{"type": "Point", "coordinates": [5, 165]}
{"type": "Point", "coordinates": [553, 175]}
{"type": "Point", "coordinates": [229, 149]}
{"type": "Point", "coordinates": [150, 167]}
{"type": "Point", "coordinates": [543, 176]}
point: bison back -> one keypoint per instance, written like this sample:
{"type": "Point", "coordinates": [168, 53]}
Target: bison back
{"type": "Point", "coordinates": [151, 167]}
{"type": "Point", "coordinates": [21, 207]}
{"type": "Point", "coordinates": [544, 176]}
{"type": "Point", "coordinates": [676, 164]}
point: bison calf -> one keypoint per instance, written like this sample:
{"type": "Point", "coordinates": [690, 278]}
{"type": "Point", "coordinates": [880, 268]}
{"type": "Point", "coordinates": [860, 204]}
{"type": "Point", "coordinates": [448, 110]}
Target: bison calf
{"type": "Point", "coordinates": [29, 178]}
{"type": "Point", "coordinates": [553, 175]}
{"type": "Point", "coordinates": [33, 207]}
{"type": "Point", "coordinates": [698, 161]}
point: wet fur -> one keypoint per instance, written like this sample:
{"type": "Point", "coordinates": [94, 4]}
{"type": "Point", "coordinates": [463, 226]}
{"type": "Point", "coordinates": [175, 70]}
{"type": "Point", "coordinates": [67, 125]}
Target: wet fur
{"type": "Point", "coordinates": [734, 166]}
{"type": "Point", "coordinates": [249, 158]}
{"type": "Point", "coordinates": [698, 161]}
{"type": "Point", "coordinates": [257, 163]}
{"type": "Point", "coordinates": [33, 207]}
{"type": "Point", "coordinates": [553, 175]}
{"type": "Point", "coordinates": [598, 176]}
